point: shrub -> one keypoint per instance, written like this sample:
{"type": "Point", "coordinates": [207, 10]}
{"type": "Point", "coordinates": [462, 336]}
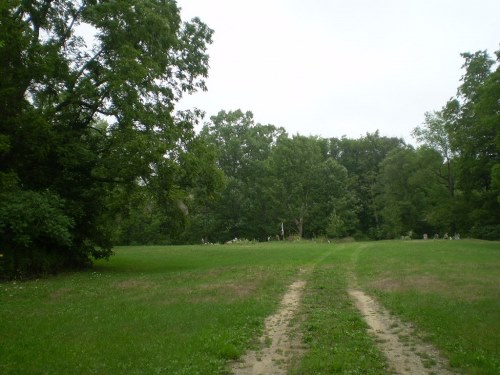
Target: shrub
{"type": "Point", "coordinates": [486, 232]}
{"type": "Point", "coordinates": [29, 222]}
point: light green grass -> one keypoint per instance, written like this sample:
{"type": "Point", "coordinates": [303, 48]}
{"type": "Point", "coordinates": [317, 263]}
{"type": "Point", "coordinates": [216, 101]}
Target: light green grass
{"type": "Point", "coordinates": [194, 309]}
{"type": "Point", "coordinates": [450, 290]}
{"type": "Point", "coordinates": [179, 310]}
{"type": "Point", "coordinates": [333, 329]}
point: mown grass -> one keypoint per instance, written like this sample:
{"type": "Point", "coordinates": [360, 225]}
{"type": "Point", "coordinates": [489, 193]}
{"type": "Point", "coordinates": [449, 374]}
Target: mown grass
{"type": "Point", "coordinates": [194, 309]}
{"type": "Point", "coordinates": [333, 329]}
{"type": "Point", "coordinates": [450, 290]}
{"type": "Point", "coordinates": [150, 310]}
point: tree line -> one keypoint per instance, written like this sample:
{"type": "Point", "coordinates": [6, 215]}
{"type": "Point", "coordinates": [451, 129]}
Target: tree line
{"type": "Point", "coordinates": [93, 153]}
{"type": "Point", "coordinates": [373, 187]}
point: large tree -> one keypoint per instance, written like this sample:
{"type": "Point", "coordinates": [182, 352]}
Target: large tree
{"type": "Point", "coordinates": [245, 207]}
{"type": "Point", "coordinates": [308, 186]}
{"type": "Point", "coordinates": [413, 197]}
{"type": "Point", "coordinates": [362, 158]}
{"type": "Point", "coordinates": [473, 130]}
{"type": "Point", "coordinates": [81, 116]}
{"type": "Point", "coordinates": [434, 133]}
{"type": "Point", "coordinates": [465, 132]}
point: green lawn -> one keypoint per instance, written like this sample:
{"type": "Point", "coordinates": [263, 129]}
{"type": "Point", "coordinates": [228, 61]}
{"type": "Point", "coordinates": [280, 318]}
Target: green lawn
{"type": "Point", "coordinates": [193, 309]}
{"type": "Point", "coordinates": [449, 289]}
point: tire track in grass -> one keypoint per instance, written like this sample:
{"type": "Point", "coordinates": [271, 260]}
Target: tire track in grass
{"type": "Point", "coordinates": [277, 345]}
{"type": "Point", "coordinates": [281, 343]}
{"type": "Point", "coordinates": [405, 352]}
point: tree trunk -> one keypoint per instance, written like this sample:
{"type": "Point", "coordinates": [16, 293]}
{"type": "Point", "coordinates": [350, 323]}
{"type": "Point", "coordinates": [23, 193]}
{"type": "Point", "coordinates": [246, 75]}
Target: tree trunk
{"type": "Point", "coordinates": [451, 185]}
{"type": "Point", "coordinates": [300, 226]}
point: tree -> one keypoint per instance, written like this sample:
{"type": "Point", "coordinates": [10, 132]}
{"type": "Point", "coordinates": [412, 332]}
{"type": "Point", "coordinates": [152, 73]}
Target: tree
{"type": "Point", "coordinates": [245, 206]}
{"type": "Point", "coordinates": [474, 133]}
{"type": "Point", "coordinates": [308, 186]}
{"type": "Point", "coordinates": [413, 197]}
{"type": "Point", "coordinates": [56, 89]}
{"type": "Point", "coordinates": [362, 158]}
{"type": "Point", "coordinates": [434, 134]}
{"type": "Point", "coordinates": [487, 108]}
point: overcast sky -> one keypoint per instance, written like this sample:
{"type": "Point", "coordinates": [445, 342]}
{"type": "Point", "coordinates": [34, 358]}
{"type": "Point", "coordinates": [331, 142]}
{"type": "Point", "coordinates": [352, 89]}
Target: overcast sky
{"type": "Point", "coordinates": [339, 67]}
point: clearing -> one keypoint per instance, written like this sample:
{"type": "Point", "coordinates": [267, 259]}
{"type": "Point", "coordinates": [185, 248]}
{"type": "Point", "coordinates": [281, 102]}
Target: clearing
{"type": "Point", "coordinates": [181, 310]}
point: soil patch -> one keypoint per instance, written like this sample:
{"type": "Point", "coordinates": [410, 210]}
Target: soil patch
{"type": "Point", "coordinates": [406, 353]}
{"type": "Point", "coordinates": [60, 293]}
{"type": "Point", "coordinates": [230, 291]}
{"type": "Point", "coordinates": [426, 283]}
{"type": "Point", "coordinates": [134, 284]}
{"type": "Point", "coordinates": [278, 345]}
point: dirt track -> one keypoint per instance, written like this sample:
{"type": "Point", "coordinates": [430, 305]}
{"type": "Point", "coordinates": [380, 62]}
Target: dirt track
{"type": "Point", "coordinates": [277, 345]}
{"type": "Point", "coordinates": [406, 354]}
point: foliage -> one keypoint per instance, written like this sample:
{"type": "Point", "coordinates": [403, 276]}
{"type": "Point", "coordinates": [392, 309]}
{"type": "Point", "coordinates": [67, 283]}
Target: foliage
{"type": "Point", "coordinates": [92, 152]}
{"type": "Point", "coordinates": [362, 158]}
{"type": "Point", "coordinates": [167, 207]}
{"type": "Point", "coordinates": [306, 186]}
{"type": "Point", "coordinates": [33, 229]}
{"type": "Point", "coordinates": [245, 207]}
{"type": "Point", "coordinates": [466, 133]}
{"type": "Point", "coordinates": [372, 187]}
{"type": "Point", "coordinates": [57, 89]}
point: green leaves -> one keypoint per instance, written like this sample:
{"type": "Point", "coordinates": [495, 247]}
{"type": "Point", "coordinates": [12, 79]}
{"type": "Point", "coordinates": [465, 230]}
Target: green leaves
{"type": "Point", "coordinates": [26, 217]}
{"type": "Point", "coordinates": [80, 120]}
{"type": "Point", "coordinates": [466, 134]}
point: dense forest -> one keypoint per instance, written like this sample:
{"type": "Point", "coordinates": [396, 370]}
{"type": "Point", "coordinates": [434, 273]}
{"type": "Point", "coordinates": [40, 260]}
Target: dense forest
{"type": "Point", "coordinates": [93, 153]}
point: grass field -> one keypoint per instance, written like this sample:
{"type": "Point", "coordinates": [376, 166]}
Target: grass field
{"type": "Point", "coordinates": [194, 309]}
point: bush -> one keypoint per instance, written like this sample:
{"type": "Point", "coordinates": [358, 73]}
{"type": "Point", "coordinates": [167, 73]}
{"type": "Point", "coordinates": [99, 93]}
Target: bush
{"type": "Point", "coordinates": [34, 234]}
{"type": "Point", "coordinates": [486, 232]}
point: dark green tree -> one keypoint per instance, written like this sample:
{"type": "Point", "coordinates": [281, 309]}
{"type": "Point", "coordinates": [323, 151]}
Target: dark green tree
{"type": "Point", "coordinates": [434, 133]}
{"type": "Point", "coordinates": [56, 152]}
{"type": "Point", "coordinates": [473, 134]}
{"type": "Point", "coordinates": [472, 126]}
{"type": "Point", "coordinates": [414, 197]}
{"type": "Point", "coordinates": [362, 158]}
{"type": "Point", "coordinates": [308, 186]}
{"type": "Point", "coordinates": [244, 208]}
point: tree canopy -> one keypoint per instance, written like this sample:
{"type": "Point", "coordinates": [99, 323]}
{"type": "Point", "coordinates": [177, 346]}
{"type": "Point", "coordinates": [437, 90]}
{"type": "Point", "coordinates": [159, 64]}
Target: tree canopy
{"type": "Point", "coordinates": [85, 119]}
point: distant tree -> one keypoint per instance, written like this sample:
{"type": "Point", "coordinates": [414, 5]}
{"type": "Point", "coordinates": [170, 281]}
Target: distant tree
{"type": "Point", "coordinates": [474, 135]}
{"type": "Point", "coordinates": [487, 109]}
{"type": "Point", "coordinates": [466, 133]}
{"type": "Point", "coordinates": [245, 206]}
{"type": "Point", "coordinates": [434, 133]}
{"type": "Point", "coordinates": [413, 196]}
{"type": "Point", "coordinates": [167, 207]}
{"type": "Point", "coordinates": [307, 185]}
{"type": "Point", "coordinates": [474, 131]}
{"type": "Point", "coordinates": [362, 158]}
{"type": "Point", "coordinates": [55, 151]}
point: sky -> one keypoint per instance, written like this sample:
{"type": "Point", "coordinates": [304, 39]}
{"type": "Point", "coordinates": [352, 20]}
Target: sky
{"type": "Point", "coordinates": [334, 68]}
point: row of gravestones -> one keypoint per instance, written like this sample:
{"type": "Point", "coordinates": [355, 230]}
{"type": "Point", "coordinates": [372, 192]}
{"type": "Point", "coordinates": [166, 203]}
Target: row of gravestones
{"type": "Point", "coordinates": [445, 237]}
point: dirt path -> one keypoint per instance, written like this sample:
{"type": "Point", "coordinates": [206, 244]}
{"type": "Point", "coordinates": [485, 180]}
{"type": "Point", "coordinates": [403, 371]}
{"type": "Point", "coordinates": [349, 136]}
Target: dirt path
{"type": "Point", "coordinates": [277, 345]}
{"type": "Point", "coordinates": [406, 354]}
